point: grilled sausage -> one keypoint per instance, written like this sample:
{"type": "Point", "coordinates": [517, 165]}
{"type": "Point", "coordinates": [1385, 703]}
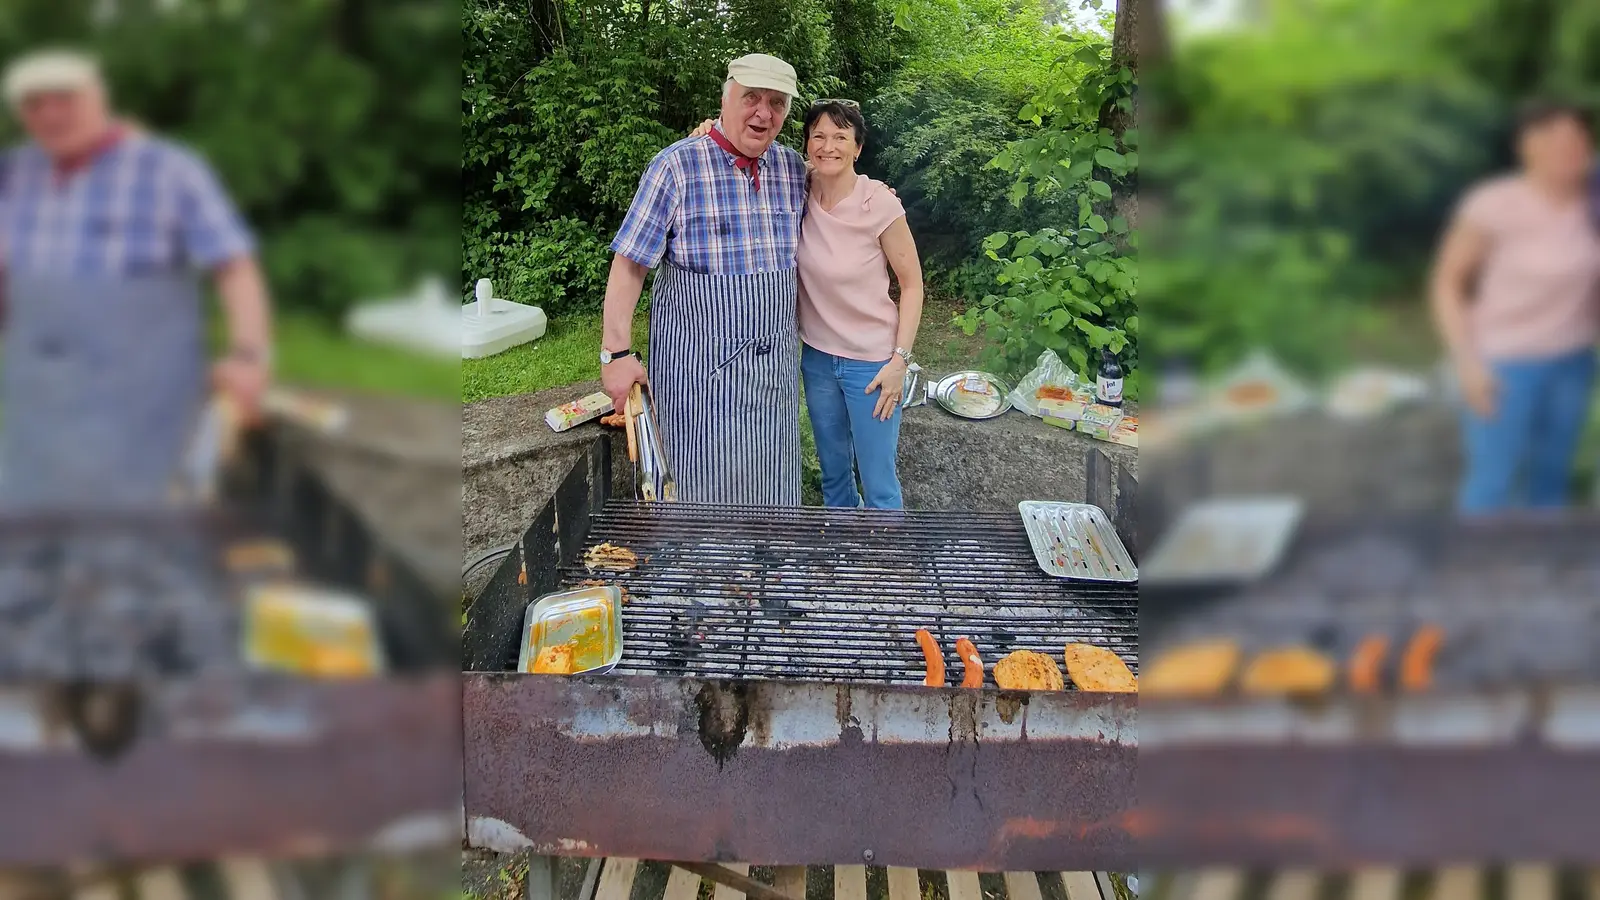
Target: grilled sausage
{"type": "Point", "coordinates": [972, 677]}
{"type": "Point", "coordinates": [1416, 668]}
{"type": "Point", "coordinates": [1366, 664]}
{"type": "Point", "coordinates": [933, 656]}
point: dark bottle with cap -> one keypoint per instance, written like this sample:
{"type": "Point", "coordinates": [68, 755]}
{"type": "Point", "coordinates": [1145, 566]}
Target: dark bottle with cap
{"type": "Point", "coordinates": [1108, 386]}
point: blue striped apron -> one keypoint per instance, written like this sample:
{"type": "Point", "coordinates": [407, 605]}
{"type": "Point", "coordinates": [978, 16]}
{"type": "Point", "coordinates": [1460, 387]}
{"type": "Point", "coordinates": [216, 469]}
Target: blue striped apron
{"type": "Point", "coordinates": [101, 386]}
{"type": "Point", "coordinates": [725, 377]}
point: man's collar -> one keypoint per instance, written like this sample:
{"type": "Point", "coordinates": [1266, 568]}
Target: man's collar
{"type": "Point", "coordinates": [66, 167]}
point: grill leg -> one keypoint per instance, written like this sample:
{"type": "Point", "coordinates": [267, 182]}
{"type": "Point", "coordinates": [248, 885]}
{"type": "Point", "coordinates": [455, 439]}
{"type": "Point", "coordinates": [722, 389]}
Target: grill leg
{"type": "Point", "coordinates": [542, 883]}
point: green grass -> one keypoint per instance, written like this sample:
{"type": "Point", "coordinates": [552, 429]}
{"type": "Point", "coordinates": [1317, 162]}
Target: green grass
{"type": "Point", "coordinates": [314, 354]}
{"type": "Point", "coordinates": [570, 352]}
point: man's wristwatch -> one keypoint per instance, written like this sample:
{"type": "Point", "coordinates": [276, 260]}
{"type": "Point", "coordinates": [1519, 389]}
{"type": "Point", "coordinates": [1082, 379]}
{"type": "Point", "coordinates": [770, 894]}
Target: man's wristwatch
{"type": "Point", "coordinates": [607, 357]}
{"type": "Point", "coordinates": [904, 354]}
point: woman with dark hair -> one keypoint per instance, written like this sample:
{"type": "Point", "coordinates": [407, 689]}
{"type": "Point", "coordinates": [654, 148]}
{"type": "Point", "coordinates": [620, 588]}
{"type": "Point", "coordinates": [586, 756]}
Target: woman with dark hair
{"type": "Point", "coordinates": [1514, 299]}
{"type": "Point", "coordinates": [857, 340]}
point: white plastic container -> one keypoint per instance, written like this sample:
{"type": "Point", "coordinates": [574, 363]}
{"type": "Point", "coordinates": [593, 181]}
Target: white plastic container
{"type": "Point", "coordinates": [426, 322]}
{"type": "Point", "coordinates": [491, 325]}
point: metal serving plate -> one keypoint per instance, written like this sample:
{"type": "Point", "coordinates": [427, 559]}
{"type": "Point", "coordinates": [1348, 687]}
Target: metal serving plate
{"type": "Point", "coordinates": [591, 616]}
{"type": "Point", "coordinates": [1225, 541]}
{"type": "Point", "coordinates": [1076, 540]}
{"type": "Point", "coordinates": [294, 627]}
{"type": "Point", "coordinates": [946, 395]}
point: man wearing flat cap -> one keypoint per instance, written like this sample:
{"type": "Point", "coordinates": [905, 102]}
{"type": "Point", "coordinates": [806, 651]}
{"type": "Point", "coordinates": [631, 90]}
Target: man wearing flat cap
{"type": "Point", "coordinates": [105, 236]}
{"type": "Point", "coordinates": [718, 218]}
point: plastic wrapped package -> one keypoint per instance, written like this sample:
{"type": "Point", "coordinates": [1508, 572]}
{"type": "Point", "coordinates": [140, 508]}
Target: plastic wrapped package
{"type": "Point", "coordinates": [1049, 370]}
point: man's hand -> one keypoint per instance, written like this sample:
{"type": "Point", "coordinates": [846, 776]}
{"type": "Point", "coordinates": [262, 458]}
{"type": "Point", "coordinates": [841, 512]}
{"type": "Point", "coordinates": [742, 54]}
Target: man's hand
{"type": "Point", "coordinates": [891, 383]}
{"type": "Point", "coordinates": [618, 378]}
{"type": "Point", "coordinates": [244, 382]}
{"type": "Point", "coordinates": [1478, 387]}
{"type": "Point", "coordinates": [704, 129]}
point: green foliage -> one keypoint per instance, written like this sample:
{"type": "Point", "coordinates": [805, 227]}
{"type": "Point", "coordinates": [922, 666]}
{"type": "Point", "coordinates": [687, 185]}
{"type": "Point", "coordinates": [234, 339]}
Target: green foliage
{"type": "Point", "coordinates": [329, 122]}
{"type": "Point", "coordinates": [1067, 287]}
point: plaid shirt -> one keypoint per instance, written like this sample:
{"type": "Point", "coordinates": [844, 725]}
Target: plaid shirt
{"type": "Point", "coordinates": [699, 212]}
{"type": "Point", "coordinates": [141, 206]}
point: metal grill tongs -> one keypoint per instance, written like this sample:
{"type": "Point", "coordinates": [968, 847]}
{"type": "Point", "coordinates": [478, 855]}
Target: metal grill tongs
{"type": "Point", "coordinates": [644, 449]}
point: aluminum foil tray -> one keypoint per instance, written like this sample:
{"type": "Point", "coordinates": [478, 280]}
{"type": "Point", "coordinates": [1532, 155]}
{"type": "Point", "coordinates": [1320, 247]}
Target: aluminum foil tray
{"type": "Point", "coordinates": [1076, 540]}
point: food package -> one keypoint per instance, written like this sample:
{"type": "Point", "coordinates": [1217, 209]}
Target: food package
{"type": "Point", "coordinates": [1126, 432]}
{"type": "Point", "coordinates": [1063, 402]}
{"type": "Point", "coordinates": [570, 415]}
{"type": "Point", "coordinates": [1369, 392]}
{"type": "Point", "coordinates": [1050, 371]}
{"type": "Point", "coordinates": [1098, 421]}
{"type": "Point", "coordinates": [1257, 388]}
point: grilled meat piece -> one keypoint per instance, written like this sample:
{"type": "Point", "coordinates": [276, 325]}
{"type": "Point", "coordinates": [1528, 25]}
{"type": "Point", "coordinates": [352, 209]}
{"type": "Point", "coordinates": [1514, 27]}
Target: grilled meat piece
{"type": "Point", "coordinates": [933, 656]}
{"type": "Point", "coordinates": [1096, 669]}
{"type": "Point", "coordinates": [610, 556]}
{"type": "Point", "coordinates": [972, 676]}
{"type": "Point", "coordinates": [1289, 670]}
{"type": "Point", "coordinates": [555, 660]}
{"type": "Point", "coordinates": [1025, 670]}
{"type": "Point", "coordinates": [1199, 669]}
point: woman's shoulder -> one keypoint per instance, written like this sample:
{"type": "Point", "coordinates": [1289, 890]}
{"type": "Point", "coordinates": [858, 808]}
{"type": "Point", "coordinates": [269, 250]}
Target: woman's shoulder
{"type": "Point", "coordinates": [1493, 198]}
{"type": "Point", "coordinates": [876, 192]}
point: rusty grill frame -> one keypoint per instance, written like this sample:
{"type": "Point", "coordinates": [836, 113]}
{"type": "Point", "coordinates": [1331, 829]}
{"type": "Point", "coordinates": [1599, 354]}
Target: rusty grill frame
{"type": "Point", "coordinates": [781, 771]}
{"type": "Point", "coordinates": [255, 763]}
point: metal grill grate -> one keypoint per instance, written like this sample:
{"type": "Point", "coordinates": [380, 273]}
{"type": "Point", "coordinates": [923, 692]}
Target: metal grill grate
{"type": "Point", "coordinates": [744, 592]}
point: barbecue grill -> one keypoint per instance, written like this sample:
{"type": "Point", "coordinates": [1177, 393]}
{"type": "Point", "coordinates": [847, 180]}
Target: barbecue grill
{"type": "Point", "coordinates": [1499, 761]}
{"type": "Point", "coordinates": [769, 705]}
{"type": "Point", "coordinates": [198, 756]}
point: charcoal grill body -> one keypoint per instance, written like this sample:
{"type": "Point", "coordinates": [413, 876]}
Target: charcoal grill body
{"type": "Point", "coordinates": [1500, 763]}
{"type": "Point", "coordinates": [238, 763]}
{"type": "Point", "coordinates": [740, 757]}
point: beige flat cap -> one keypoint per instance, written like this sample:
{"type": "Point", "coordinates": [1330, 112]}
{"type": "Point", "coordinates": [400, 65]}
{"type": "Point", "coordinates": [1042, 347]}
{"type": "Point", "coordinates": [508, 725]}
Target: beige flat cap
{"type": "Point", "coordinates": [758, 70]}
{"type": "Point", "coordinates": [53, 70]}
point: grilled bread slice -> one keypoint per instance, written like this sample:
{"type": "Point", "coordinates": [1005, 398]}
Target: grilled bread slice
{"type": "Point", "coordinates": [555, 660]}
{"type": "Point", "coordinates": [1098, 669]}
{"type": "Point", "coordinates": [1289, 670]}
{"type": "Point", "coordinates": [1197, 670]}
{"type": "Point", "coordinates": [1025, 670]}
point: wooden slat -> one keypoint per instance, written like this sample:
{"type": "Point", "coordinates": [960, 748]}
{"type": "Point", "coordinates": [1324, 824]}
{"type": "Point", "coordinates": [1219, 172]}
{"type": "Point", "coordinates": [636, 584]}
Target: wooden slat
{"type": "Point", "coordinates": [1022, 886]}
{"type": "Point", "coordinates": [248, 879]}
{"type": "Point", "coordinates": [100, 889]}
{"type": "Point", "coordinates": [1376, 884]}
{"type": "Point", "coordinates": [591, 879]}
{"type": "Point", "coordinates": [1084, 886]}
{"type": "Point", "coordinates": [1295, 884]}
{"type": "Point", "coordinates": [162, 884]}
{"type": "Point", "coordinates": [542, 882]}
{"type": "Point", "coordinates": [722, 891]}
{"type": "Point", "coordinates": [1591, 884]}
{"type": "Point", "coordinates": [903, 884]}
{"type": "Point", "coordinates": [1531, 882]}
{"type": "Point", "coordinates": [682, 885]}
{"type": "Point", "coordinates": [964, 885]}
{"type": "Point", "coordinates": [1172, 886]}
{"type": "Point", "coordinates": [1109, 891]}
{"type": "Point", "coordinates": [849, 883]}
{"type": "Point", "coordinates": [790, 880]}
{"type": "Point", "coordinates": [1457, 883]}
{"type": "Point", "coordinates": [616, 879]}
{"type": "Point", "coordinates": [1218, 884]}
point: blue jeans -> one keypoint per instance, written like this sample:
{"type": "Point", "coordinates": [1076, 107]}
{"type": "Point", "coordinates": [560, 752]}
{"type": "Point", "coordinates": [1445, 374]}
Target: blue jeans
{"type": "Point", "coordinates": [849, 439]}
{"type": "Point", "coordinates": [1541, 409]}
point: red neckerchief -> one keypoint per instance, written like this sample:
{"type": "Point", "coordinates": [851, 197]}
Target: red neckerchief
{"type": "Point", "coordinates": [740, 161]}
{"type": "Point", "coordinates": [65, 168]}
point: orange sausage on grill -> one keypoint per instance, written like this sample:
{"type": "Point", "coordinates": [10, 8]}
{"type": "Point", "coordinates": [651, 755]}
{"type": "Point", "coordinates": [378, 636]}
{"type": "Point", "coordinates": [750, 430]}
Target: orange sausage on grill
{"type": "Point", "coordinates": [1366, 664]}
{"type": "Point", "coordinates": [973, 675]}
{"type": "Point", "coordinates": [933, 656]}
{"type": "Point", "coordinates": [1416, 669]}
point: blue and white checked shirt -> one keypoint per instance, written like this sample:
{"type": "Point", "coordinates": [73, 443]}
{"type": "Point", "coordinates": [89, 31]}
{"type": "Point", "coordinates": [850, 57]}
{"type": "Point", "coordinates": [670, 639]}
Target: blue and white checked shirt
{"type": "Point", "coordinates": [142, 206]}
{"type": "Point", "coordinates": [699, 212]}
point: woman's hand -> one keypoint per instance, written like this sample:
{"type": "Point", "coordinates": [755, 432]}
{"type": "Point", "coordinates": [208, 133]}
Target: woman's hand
{"type": "Point", "coordinates": [1478, 386]}
{"type": "Point", "coordinates": [704, 129]}
{"type": "Point", "coordinates": [890, 383]}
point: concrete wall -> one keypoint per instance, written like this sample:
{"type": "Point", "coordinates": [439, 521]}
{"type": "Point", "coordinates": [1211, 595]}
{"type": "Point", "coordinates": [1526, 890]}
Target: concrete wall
{"type": "Point", "coordinates": [512, 461]}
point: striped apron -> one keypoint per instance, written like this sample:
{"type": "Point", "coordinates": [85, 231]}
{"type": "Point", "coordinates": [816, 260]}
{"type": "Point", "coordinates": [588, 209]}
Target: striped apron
{"type": "Point", "coordinates": [100, 390]}
{"type": "Point", "coordinates": [725, 378]}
